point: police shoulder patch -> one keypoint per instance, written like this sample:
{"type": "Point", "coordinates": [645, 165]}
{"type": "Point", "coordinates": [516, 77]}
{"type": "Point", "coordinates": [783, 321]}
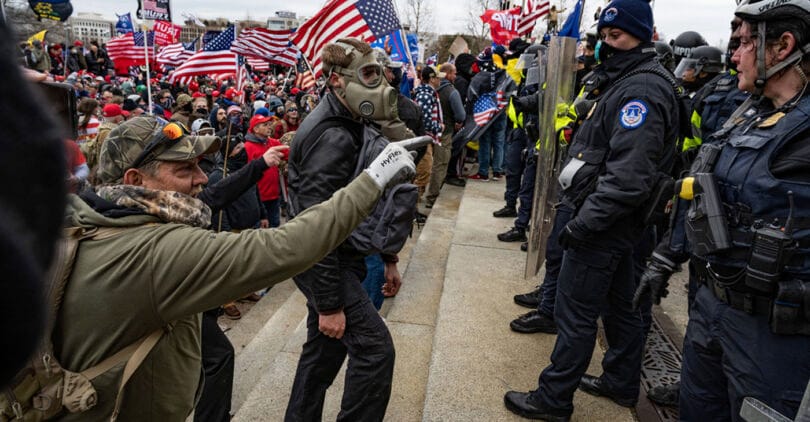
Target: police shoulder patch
{"type": "Point", "coordinates": [633, 114]}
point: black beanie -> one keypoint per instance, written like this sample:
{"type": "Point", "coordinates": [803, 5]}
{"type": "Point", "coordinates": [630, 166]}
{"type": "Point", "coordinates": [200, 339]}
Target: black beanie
{"type": "Point", "coordinates": [632, 16]}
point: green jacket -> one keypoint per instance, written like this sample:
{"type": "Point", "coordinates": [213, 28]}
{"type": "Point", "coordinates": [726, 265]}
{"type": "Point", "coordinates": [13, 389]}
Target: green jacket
{"type": "Point", "coordinates": [164, 275]}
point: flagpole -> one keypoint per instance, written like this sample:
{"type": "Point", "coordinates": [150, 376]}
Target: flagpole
{"type": "Point", "coordinates": [408, 53]}
{"type": "Point", "coordinates": [289, 72]}
{"type": "Point", "coordinates": [146, 59]}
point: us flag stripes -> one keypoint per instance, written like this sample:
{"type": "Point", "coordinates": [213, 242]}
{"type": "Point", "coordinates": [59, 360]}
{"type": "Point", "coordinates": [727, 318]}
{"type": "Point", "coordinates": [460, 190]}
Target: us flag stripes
{"type": "Point", "coordinates": [261, 43]}
{"type": "Point", "coordinates": [214, 58]}
{"type": "Point", "coordinates": [535, 9]}
{"type": "Point", "coordinates": [364, 19]}
{"type": "Point", "coordinates": [175, 54]}
{"type": "Point", "coordinates": [304, 80]}
{"type": "Point", "coordinates": [125, 52]}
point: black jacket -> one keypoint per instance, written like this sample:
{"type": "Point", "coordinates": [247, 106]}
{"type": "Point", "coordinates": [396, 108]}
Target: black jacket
{"type": "Point", "coordinates": [245, 211]}
{"type": "Point", "coordinates": [320, 164]}
{"type": "Point", "coordinates": [220, 194]}
{"type": "Point", "coordinates": [625, 141]}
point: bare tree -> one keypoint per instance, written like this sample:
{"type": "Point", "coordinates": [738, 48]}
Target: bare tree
{"type": "Point", "coordinates": [474, 25]}
{"type": "Point", "coordinates": [418, 15]}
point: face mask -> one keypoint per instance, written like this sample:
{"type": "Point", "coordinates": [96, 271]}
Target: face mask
{"type": "Point", "coordinates": [603, 51]}
{"type": "Point", "coordinates": [590, 62]}
{"type": "Point", "coordinates": [366, 92]}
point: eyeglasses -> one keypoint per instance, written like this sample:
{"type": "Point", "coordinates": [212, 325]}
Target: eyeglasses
{"type": "Point", "coordinates": [167, 136]}
{"type": "Point", "coordinates": [290, 110]}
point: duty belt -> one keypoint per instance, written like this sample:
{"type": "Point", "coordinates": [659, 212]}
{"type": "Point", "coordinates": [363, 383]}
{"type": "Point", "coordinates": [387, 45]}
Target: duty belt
{"type": "Point", "coordinates": [750, 303]}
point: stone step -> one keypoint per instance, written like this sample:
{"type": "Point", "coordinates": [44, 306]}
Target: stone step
{"type": "Point", "coordinates": [243, 331]}
{"type": "Point", "coordinates": [262, 390]}
{"type": "Point", "coordinates": [258, 355]}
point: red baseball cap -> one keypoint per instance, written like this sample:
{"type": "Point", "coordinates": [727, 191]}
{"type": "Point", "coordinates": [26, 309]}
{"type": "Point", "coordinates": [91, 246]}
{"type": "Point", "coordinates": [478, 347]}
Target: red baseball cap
{"type": "Point", "coordinates": [257, 120]}
{"type": "Point", "coordinates": [197, 94]}
{"type": "Point", "coordinates": [215, 93]}
{"type": "Point", "coordinates": [78, 43]}
{"type": "Point", "coordinates": [295, 91]}
{"type": "Point", "coordinates": [112, 110]}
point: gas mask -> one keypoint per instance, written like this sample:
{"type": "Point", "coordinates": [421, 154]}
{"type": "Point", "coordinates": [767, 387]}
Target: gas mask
{"type": "Point", "coordinates": [366, 92]}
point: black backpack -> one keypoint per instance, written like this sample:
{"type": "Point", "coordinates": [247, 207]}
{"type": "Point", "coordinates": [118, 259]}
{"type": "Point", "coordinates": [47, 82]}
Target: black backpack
{"type": "Point", "coordinates": [388, 226]}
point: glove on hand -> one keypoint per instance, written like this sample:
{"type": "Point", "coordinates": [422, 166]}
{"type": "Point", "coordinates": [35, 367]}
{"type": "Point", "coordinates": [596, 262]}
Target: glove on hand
{"type": "Point", "coordinates": [571, 235]}
{"type": "Point", "coordinates": [393, 166]}
{"type": "Point", "coordinates": [655, 280]}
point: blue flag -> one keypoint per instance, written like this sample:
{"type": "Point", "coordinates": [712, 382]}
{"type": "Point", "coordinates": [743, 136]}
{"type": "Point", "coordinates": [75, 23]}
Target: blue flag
{"type": "Point", "coordinates": [124, 24]}
{"type": "Point", "coordinates": [571, 26]}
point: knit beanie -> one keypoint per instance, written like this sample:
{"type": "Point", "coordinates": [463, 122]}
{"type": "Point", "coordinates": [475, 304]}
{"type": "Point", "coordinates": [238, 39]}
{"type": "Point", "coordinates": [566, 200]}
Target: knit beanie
{"type": "Point", "coordinates": [632, 16]}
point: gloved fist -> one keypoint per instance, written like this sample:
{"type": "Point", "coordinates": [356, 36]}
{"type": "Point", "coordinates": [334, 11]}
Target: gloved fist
{"type": "Point", "coordinates": [393, 166]}
{"type": "Point", "coordinates": [571, 235]}
{"type": "Point", "coordinates": [654, 280]}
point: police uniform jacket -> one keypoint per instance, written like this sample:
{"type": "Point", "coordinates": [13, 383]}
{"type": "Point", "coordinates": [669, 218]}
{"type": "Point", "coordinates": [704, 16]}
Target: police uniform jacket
{"type": "Point", "coordinates": [155, 275]}
{"type": "Point", "coordinates": [626, 139]}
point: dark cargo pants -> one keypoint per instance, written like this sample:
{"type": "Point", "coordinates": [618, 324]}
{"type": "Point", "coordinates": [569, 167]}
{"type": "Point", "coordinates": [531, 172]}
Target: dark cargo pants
{"type": "Point", "coordinates": [593, 282]}
{"type": "Point", "coordinates": [371, 359]}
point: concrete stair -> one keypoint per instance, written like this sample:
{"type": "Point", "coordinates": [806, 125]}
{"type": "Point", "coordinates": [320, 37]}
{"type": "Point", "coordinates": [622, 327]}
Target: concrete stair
{"type": "Point", "coordinates": [456, 356]}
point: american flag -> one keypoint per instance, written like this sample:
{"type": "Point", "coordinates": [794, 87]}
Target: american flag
{"type": "Point", "coordinates": [261, 43]}
{"type": "Point", "coordinates": [487, 105]}
{"type": "Point", "coordinates": [535, 9]}
{"type": "Point", "coordinates": [364, 19]}
{"type": "Point", "coordinates": [214, 58]}
{"type": "Point", "coordinates": [432, 60]}
{"type": "Point", "coordinates": [304, 80]}
{"type": "Point", "coordinates": [124, 52]}
{"type": "Point", "coordinates": [288, 57]}
{"type": "Point", "coordinates": [138, 37]}
{"type": "Point", "coordinates": [242, 78]}
{"type": "Point", "coordinates": [175, 54]}
{"type": "Point", "coordinates": [258, 64]}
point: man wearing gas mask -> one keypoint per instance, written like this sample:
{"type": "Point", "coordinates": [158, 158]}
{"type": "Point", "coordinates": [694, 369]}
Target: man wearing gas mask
{"type": "Point", "coordinates": [342, 319]}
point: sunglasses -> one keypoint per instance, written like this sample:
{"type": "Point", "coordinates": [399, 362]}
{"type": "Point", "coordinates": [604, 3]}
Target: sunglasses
{"type": "Point", "coordinates": [166, 137]}
{"type": "Point", "coordinates": [290, 110]}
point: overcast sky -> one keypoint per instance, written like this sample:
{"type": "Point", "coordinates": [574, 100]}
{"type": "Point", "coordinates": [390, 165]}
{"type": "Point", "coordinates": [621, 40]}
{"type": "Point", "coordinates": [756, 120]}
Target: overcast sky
{"type": "Point", "coordinates": [709, 17]}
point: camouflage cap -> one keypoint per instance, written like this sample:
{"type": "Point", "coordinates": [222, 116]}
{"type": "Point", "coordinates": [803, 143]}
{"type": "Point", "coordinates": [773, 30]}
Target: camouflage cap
{"type": "Point", "coordinates": [126, 142]}
{"type": "Point", "coordinates": [183, 99]}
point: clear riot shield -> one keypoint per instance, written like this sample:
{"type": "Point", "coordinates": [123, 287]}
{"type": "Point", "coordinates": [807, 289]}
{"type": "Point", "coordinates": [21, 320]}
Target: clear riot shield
{"type": "Point", "coordinates": [560, 78]}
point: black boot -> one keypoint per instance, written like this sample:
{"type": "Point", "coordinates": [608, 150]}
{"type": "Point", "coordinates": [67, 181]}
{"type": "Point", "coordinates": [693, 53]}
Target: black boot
{"type": "Point", "coordinates": [533, 322]}
{"type": "Point", "coordinates": [524, 246]}
{"type": "Point", "coordinates": [515, 234]}
{"type": "Point", "coordinates": [594, 385]}
{"type": "Point", "coordinates": [455, 181]}
{"type": "Point", "coordinates": [505, 212]}
{"type": "Point", "coordinates": [665, 395]}
{"type": "Point", "coordinates": [529, 300]}
{"type": "Point", "coordinates": [521, 404]}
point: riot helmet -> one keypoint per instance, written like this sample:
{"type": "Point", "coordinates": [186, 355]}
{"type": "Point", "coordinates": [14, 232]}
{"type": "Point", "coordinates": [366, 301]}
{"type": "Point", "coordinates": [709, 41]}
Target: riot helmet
{"type": "Point", "coordinates": [761, 14]}
{"type": "Point", "coordinates": [684, 43]}
{"type": "Point", "coordinates": [703, 59]}
{"type": "Point", "coordinates": [665, 55]}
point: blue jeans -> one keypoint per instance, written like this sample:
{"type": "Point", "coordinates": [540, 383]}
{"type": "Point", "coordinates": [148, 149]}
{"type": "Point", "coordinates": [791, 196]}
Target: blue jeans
{"type": "Point", "coordinates": [273, 212]}
{"type": "Point", "coordinates": [493, 140]}
{"type": "Point", "coordinates": [375, 278]}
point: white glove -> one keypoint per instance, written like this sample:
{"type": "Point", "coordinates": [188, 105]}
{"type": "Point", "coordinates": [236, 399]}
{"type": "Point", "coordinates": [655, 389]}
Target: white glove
{"type": "Point", "coordinates": [394, 165]}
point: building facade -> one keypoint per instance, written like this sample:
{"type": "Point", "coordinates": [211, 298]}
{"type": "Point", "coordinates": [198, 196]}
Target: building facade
{"type": "Point", "coordinates": [91, 26]}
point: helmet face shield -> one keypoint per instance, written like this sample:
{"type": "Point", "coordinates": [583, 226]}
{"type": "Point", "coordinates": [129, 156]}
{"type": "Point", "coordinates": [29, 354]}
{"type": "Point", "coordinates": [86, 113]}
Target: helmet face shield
{"type": "Point", "coordinates": [525, 61]}
{"type": "Point", "coordinates": [688, 67]}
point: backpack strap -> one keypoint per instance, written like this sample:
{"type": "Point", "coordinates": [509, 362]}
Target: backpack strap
{"type": "Point", "coordinates": [58, 275]}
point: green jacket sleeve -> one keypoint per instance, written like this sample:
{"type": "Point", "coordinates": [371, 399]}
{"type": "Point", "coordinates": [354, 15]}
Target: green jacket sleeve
{"type": "Point", "coordinates": [194, 269]}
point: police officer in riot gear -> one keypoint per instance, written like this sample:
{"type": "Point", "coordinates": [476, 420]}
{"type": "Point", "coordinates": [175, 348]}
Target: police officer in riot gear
{"type": "Point", "coordinates": [701, 66]}
{"type": "Point", "coordinates": [749, 327]}
{"type": "Point", "coordinates": [665, 55]}
{"type": "Point", "coordinates": [712, 105]}
{"type": "Point", "coordinates": [625, 142]}
{"type": "Point", "coordinates": [684, 43]}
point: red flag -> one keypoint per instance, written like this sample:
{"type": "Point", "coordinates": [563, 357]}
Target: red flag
{"type": "Point", "coordinates": [364, 19]}
{"type": "Point", "coordinates": [503, 24]}
{"type": "Point", "coordinates": [166, 33]}
{"type": "Point", "coordinates": [535, 9]}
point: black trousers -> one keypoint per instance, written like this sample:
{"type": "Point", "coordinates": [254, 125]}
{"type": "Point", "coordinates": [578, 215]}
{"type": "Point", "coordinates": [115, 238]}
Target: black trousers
{"type": "Point", "coordinates": [593, 282]}
{"type": "Point", "coordinates": [371, 359]}
{"type": "Point", "coordinates": [217, 361]}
